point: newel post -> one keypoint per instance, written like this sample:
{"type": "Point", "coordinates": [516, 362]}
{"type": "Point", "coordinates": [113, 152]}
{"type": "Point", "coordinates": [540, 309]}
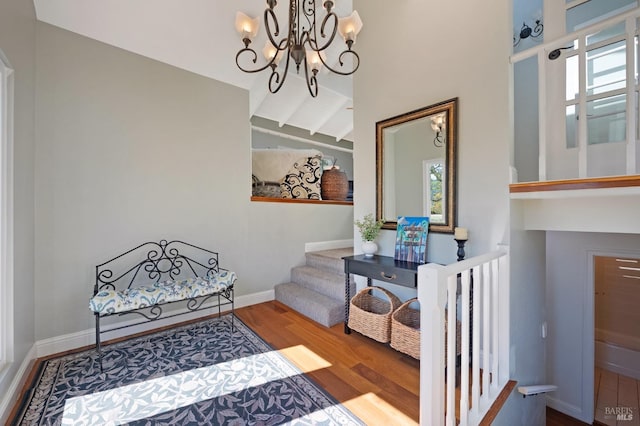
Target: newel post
{"type": "Point", "coordinates": [432, 292]}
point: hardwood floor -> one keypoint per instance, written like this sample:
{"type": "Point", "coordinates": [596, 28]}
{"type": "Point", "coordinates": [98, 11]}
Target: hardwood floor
{"type": "Point", "coordinates": [377, 383]}
{"type": "Point", "coordinates": [614, 391]}
{"type": "Point", "coordinates": [556, 418]}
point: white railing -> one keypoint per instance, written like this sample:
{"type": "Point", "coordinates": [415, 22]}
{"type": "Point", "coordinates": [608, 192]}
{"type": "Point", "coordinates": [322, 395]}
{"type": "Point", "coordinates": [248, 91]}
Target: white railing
{"type": "Point", "coordinates": [552, 104]}
{"type": "Point", "coordinates": [476, 292]}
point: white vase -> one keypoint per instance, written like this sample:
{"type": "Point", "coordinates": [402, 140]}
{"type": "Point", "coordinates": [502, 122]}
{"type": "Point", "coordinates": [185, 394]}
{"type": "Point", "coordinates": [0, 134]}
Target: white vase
{"type": "Point", "coordinates": [369, 248]}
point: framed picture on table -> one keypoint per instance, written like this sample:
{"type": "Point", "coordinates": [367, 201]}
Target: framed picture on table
{"type": "Point", "coordinates": [411, 239]}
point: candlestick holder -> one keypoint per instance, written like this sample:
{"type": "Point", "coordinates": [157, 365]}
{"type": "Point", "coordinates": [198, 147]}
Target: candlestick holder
{"type": "Point", "coordinates": [461, 244]}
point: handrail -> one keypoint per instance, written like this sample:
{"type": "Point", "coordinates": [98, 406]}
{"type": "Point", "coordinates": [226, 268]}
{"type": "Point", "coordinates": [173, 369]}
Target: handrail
{"type": "Point", "coordinates": [481, 283]}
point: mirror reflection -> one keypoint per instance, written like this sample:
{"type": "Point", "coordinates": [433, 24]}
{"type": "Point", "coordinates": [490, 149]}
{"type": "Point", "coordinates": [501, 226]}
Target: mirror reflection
{"type": "Point", "coordinates": [416, 166]}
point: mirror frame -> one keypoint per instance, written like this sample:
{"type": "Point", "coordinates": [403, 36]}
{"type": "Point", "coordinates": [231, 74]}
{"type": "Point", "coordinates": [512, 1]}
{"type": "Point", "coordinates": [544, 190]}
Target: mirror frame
{"type": "Point", "coordinates": [450, 108]}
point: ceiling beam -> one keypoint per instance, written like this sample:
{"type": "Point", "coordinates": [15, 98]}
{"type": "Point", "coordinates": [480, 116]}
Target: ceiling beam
{"type": "Point", "coordinates": [294, 105]}
{"type": "Point", "coordinates": [325, 118]}
{"type": "Point", "coordinates": [347, 129]}
{"type": "Point", "coordinates": [257, 95]}
{"type": "Point", "coordinates": [299, 139]}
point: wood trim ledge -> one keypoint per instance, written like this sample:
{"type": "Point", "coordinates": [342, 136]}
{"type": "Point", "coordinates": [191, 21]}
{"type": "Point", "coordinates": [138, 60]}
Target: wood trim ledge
{"type": "Point", "coordinates": [300, 201]}
{"type": "Point", "coordinates": [569, 184]}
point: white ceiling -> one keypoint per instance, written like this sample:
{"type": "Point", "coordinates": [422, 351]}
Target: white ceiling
{"type": "Point", "coordinates": [199, 36]}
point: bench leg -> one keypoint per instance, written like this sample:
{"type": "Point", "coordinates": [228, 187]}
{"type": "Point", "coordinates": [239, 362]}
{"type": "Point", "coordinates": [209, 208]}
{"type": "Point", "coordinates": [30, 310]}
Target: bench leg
{"type": "Point", "coordinates": [233, 313]}
{"type": "Point", "coordinates": [98, 348]}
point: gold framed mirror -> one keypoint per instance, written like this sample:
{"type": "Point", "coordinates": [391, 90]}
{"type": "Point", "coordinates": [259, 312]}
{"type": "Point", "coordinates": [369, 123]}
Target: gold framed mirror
{"type": "Point", "coordinates": [416, 166]}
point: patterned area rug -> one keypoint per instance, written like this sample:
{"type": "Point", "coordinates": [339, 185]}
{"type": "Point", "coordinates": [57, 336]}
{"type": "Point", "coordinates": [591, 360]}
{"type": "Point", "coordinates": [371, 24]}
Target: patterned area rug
{"type": "Point", "coordinates": [215, 372]}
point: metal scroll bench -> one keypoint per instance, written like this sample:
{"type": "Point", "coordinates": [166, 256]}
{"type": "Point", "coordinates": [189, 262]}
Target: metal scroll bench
{"type": "Point", "coordinates": [142, 280]}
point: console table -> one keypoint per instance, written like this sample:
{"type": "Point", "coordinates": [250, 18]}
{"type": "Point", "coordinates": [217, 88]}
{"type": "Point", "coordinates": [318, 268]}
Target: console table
{"type": "Point", "coordinates": [382, 268]}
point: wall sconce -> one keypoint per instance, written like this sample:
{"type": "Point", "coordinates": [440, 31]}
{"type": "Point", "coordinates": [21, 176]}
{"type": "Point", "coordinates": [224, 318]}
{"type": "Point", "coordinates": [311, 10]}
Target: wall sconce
{"type": "Point", "coordinates": [526, 31]}
{"type": "Point", "coordinates": [555, 53]}
{"type": "Point", "coordinates": [438, 126]}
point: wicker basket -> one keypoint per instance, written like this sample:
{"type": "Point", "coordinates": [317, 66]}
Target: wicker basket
{"type": "Point", "coordinates": [405, 330]}
{"type": "Point", "coordinates": [370, 315]}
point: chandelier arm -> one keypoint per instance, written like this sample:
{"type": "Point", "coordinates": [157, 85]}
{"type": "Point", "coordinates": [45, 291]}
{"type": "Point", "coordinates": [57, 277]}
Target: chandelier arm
{"type": "Point", "coordinates": [312, 82]}
{"type": "Point", "coordinates": [275, 80]}
{"type": "Point", "coordinates": [356, 59]}
{"type": "Point", "coordinates": [269, 15]}
{"type": "Point", "coordinates": [255, 58]}
{"type": "Point", "coordinates": [322, 31]}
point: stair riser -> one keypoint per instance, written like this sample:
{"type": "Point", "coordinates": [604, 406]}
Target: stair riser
{"type": "Point", "coordinates": [325, 263]}
{"type": "Point", "coordinates": [331, 286]}
{"type": "Point", "coordinates": [317, 288]}
{"type": "Point", "coordinates": [310, 304]}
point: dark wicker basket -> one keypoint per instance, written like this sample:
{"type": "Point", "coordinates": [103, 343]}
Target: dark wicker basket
{"type": "Point", "coordinates": [370, 315]}
{"type": "Point", "coordinates": [405, 330]}
{"type": "Point", "coordinates": [334, 185]}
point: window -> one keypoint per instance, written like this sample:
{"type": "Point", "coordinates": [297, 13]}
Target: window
{"type": "Point", "coordinates": [6, 204]}
{"type": "Point", "coordinates": [605, 88]}
{"type": "Point", "coordinates": [601, 93]}
{"type": "Point", "coordinates": [433, 194]}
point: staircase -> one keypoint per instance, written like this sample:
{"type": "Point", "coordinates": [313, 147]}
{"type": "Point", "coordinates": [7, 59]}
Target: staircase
{"type": "Point", "coordinates": [316, 289]}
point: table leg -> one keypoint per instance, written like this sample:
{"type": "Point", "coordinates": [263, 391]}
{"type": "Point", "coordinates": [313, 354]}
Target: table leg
{"type": "Point", "coordinates": [347, 301]}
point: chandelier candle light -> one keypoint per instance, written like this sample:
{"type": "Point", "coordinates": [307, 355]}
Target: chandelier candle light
{"type": "Point", "coordinates": [305, 39]}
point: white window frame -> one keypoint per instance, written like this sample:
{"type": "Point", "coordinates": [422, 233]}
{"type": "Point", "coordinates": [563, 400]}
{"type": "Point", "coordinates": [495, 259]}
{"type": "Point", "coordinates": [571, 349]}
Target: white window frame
{"type": "Point", "coordinates": [6, 213]}
{"type": "Point", "coordinates": [426, 187]}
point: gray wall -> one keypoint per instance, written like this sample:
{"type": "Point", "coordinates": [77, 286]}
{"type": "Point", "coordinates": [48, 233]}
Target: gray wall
{"type": "Point", "coordinates": [132, 150]}
{"type": "Point", "coordinates": [570, 313]}
{"type": "Point", "coordinates": [17, 41]}
{"type": "Point", "coordinates": [527, 294]}
{"type": "Point", "coordinates": [526, 146]}
{"type": "Point", "coordinates": [412, 73]}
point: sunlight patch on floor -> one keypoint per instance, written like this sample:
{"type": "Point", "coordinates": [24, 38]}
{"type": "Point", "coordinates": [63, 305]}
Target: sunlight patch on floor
{"type": "Point", "coordinates": [373, 406]}
{"type": "Point", "coordinates": [304, 358]}
{"type": "Point", "coordinates": [156, 396]}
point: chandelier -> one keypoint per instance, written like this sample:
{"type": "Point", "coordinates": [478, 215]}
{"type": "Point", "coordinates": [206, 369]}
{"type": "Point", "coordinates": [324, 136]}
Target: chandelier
{"type": "Point", "coordinates": [305, 39]}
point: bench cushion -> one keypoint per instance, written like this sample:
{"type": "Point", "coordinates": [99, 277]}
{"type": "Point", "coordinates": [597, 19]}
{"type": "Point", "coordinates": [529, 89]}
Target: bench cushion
{"type": "Point", "coordinates": [113, 301]}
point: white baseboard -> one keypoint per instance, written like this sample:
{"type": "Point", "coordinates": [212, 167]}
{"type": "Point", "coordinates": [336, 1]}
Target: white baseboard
{"type": "Point", "coordinates": [327, 245]}
{"type": "Point", "coordinates": [11, 396]}
{"type": "Point", "coordinates": [618, 359]}
{"type": "Point", "coordinates": [568, 409]}
{"type": "Point", "coordinates": [79, 339]}
{"type": "Point", "coordinates": [618, 339]}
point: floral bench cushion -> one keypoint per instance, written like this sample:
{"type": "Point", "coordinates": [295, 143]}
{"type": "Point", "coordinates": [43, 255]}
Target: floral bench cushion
{"type": "Point", "coordinates": [113, 301]}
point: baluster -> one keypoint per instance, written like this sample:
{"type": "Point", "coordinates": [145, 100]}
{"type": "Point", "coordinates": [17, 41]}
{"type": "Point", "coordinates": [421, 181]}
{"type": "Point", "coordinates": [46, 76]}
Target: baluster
{"type": "Point", "coordinates": [486, 323]}
{"type": "Point", "coordinates": [464, 361]}
{"type": "Point", "coordinates": [452, 286]}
